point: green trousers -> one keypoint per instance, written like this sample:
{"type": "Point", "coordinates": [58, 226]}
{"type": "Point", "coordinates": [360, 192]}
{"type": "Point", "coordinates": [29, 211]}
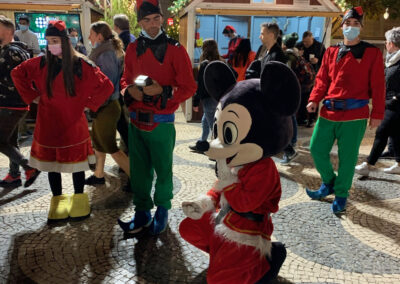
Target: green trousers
{"type": "Point", "coordinates": [349, 135]}
{"type": "Point", "coordinates": [151, 151]}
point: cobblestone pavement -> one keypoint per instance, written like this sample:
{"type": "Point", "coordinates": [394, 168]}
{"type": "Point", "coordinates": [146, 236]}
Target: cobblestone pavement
{"type": "Point", "coordinates": [362, 246]}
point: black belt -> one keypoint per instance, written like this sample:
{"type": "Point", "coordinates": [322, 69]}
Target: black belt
{"type": "Point", "coordinates": [250, 215]}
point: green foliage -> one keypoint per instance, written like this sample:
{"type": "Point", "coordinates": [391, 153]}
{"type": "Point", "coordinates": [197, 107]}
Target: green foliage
{"type": "Point", "coordinates": [173, 31]}
{"type": "Point", "coordinates": [177, 6]}
{"type": "Point", "coordinates": [373, 8]}
{"type": "Point", "coordinates": [126, 7]}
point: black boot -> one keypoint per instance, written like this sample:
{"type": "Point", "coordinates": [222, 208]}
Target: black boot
{"type": "Point", "coordinates": [278, 256]}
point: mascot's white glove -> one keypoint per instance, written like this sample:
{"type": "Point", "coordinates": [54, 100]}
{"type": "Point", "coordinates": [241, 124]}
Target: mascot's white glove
{"type": "Point", "coordinates": [196, 209]}
{"type": "Point", "coordinates": [226, 175]}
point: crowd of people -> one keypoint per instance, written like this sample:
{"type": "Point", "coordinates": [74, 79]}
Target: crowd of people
{"type": "Point", "coordinates": [70, 87]}
{"type": "Point", "coordinates": [134, 86]}
{"type": "Point", "coordinates": [303, 57]}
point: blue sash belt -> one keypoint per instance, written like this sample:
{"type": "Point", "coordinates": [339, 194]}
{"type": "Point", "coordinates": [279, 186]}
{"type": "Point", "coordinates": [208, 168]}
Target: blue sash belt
{"type": "Point", "coordinates": [346, 104]}
{"type": "Point", "coordinates": [149, 117]}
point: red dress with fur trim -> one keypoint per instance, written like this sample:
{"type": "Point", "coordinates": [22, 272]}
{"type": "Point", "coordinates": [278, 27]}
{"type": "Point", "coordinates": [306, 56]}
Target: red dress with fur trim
{"type": "Point", "coordinates": [238, 246]}
{"type": "Point", "coordinates": [61, 141]}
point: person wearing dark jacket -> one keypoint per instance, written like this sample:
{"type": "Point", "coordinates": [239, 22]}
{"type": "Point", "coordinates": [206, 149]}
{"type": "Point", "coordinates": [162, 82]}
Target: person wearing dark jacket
{"type": "Point", "coordinates": [313, 50]}
{"type": "Point", "coordinates": [121, 27]}
{"type": "Point", "coordinates": [269, 35]}
{"type": "Point", "coordinates": [12, 108]}
{"type": "Point", "coordinates": [210, 53]}
{"type": "Point", "coordinates": [391, 121]}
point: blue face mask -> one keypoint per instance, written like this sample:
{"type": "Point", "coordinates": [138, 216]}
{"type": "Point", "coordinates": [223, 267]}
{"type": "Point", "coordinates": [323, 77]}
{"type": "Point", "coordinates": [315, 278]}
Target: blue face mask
{"type": "Point", "coordinates": [351, 33]}
{"type": "Point", "coordinates": [148, 36]}
{"type": "Point", "coordinates": [74, 40]}
{"type": "Point", "coordinates": [23, 27]}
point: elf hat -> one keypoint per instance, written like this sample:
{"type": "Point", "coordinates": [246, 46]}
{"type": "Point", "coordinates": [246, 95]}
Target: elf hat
{"type": "Point", "coordinates": [147, 7]}
{"type": "Point", "coordinates": [56, 28]}
{"type": "Point", "coordinates": [355, 12]}
{"type": "Point", "coordinates": [229, 29]}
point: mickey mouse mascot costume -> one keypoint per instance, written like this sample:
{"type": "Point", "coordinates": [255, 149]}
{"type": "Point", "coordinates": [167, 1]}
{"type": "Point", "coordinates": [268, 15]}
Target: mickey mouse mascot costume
{"type": "Point", "coordinates": [232, 222]}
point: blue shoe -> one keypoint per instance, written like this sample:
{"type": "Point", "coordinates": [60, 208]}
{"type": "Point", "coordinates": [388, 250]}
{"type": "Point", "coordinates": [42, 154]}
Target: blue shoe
{"type": "Point", "coordinates": [160, 221]}
{"type": "Point", "coordinates": [139, 221]}
{"type": "Point", "coordinates": [323, 191]}
{"type": "Point", "coordinates": [339, 204]}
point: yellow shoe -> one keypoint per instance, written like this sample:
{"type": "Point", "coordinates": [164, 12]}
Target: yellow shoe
{"type": "Point", "coordinates": [80, 207]}
{"type": "Point", "coordinates": [59, 207]}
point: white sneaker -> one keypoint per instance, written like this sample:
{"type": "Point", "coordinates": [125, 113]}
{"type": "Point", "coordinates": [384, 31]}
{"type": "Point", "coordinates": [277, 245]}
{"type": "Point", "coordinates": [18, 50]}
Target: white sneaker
{"type": "Point", "coordinates": [395, 169]}
{"type": "Point", "coordinates": [362, 169]}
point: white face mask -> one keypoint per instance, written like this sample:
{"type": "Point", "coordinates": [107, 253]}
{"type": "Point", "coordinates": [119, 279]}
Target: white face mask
{"type": "Point", "coordinates": [24, 27]}
{"type": "Point", "coordinates": [148, 36]}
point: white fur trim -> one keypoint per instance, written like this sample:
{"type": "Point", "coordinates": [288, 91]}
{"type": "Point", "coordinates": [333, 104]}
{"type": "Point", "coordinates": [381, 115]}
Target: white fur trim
{"type": "Point", "coordinates": [235, 170]}
{"type": "Point", "coordinates": [223, 202]}
{"type": "Point", "coordinates": [260, 244]}
{"type": "Point", "coordinates": [226, 175]}
{"type": "Point", "coordinates": [62, 167]}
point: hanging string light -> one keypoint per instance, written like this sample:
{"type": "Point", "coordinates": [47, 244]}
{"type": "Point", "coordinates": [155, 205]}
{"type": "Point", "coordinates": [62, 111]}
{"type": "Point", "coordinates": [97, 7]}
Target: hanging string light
{"type": "Point", "coordinates": [386, 14]}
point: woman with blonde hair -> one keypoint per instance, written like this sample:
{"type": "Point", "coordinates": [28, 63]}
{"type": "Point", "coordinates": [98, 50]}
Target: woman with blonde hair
{"type": "Point", "coordinates": [108, 54]}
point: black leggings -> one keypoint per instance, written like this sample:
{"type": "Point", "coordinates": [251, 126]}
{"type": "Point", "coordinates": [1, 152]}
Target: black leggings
{"type": "Point", "coordinates": [389, 127]}
{"type": "Point", "coordinates": [56, 184]}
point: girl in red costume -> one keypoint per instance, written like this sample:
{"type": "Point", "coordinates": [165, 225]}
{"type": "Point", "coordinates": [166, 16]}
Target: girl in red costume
{"type": "Point", "coordinates": [64, 84]}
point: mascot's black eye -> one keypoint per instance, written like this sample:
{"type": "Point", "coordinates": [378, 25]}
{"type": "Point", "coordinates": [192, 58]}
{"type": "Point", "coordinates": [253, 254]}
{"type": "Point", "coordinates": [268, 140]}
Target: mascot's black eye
{"type": "Point", "coordinates": [215, 131]}
{"type": "Point", "coordinates": [230, 133]}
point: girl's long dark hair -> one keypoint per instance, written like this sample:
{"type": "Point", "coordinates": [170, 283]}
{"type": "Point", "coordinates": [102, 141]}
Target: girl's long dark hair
{"type": "Point", "coordinates": [241, 53]}
{"type": "Point", "coordinates": [210, 51]}
{"type": "Point", "coordinates": [68, 59]}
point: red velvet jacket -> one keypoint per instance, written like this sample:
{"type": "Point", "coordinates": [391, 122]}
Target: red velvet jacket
{"type": "Point", "coordinates": [61, 121]}
{"type": "Point", "coordinates": [258, 191]}
{"type": "Point", "coordinates": [351, 78]}
{"type": "Point", "coordinates": [175, 71]}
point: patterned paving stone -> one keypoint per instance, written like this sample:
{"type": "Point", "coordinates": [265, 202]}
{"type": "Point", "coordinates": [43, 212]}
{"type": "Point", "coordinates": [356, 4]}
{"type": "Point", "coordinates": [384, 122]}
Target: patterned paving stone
{"type": "Point", "coordinates": [96, 248]}
{"type": "Point", "coordinates": [360, 247]}
{"type": "Point", "coordinates": [377, 186]}
{"type": "Point", "coordinates": [311, 231]}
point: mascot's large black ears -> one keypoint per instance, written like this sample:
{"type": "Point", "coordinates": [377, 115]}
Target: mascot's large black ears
{"type": "Point", "coordinates": [218, 79]}
{"type": "Point", "coordinates": [280, 88]}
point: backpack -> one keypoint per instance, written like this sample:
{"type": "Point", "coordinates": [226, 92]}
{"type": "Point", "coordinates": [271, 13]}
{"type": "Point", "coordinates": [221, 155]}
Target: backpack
{"type": "Point", "coordinates": [19, 47]}
{"type": "Point", "coordinates": [304, 71]}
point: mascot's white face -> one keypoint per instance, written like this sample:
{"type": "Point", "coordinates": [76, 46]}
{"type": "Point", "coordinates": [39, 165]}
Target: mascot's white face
{"type": "Point", "coordinates": [231, 126]}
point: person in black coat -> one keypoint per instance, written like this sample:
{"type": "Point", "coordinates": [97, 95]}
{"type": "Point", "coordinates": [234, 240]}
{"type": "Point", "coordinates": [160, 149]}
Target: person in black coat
{"type": "Point", "coordinates": [268, 36]}
{"type": "Point", "coordinates": [209, 53]}
{"type": "Point", "coordinates": [391, 122]}
{"type": "Point", "coordinates": [121, 27]}
{"type": "Point", "coordinates": [313, 50]}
